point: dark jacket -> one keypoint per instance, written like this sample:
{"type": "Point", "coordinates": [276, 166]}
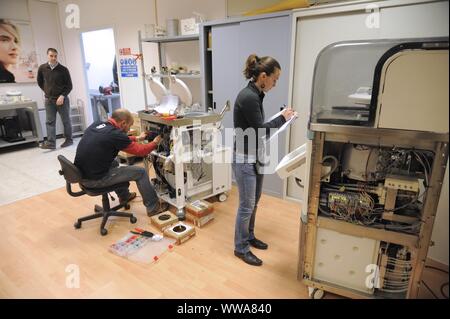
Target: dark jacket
{"type": "Point", "coordinates": [97, 149]}
{"type": "Point", "coordinates": [54, 82]}
{"type": "Point", "coordinates": [249, 113]}
{"type": "Point", "coordinates": [6, 76]}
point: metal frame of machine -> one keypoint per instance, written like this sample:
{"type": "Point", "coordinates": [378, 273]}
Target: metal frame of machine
{"type": "Point", "coordinates": [416, 243]}
{"type": "Point", "coordinates": [190, 163]}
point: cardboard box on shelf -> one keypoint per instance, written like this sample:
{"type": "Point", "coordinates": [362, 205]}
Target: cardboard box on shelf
{"type": "Point", "coordinates": [189, 26]}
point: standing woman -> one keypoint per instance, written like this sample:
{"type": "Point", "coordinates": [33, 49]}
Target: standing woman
{"type": "Point", "coordinates": [263, 74]}
{"type": "Point", "coordinates": [9, 50]}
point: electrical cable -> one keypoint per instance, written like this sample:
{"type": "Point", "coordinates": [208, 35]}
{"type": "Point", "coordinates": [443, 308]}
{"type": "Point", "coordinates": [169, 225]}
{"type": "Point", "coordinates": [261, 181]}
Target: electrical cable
{"type": "Point", "coordinates": [429, 289]}
{"type": "Point", "coordinates": [444, 284]}
{"type": "Point", "coordinates": [336, 165]}
{"type": "Point", "coordinates": [298, 182]}
{"type": "Point", "coordinates": [442, 289]}
{"type": "Point", "coordinates": [367, 164]}
{"type": "Point", "coordinates": [172, 191]}
{"type": "Point", "coordinates": [420, 160]}
{"type": "Point", "coordinates": [436, 268]}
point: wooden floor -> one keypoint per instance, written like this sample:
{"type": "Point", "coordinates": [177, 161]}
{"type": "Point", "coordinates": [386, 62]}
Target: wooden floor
{"type": "Point", "coordinates": [38, 243]}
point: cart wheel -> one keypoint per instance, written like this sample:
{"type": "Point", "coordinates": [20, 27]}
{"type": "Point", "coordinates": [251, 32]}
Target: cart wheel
{"type": "Point", "coordinates": [133, 220]}
{"type": "Point", "coordinates": [223, 197]}
{"type": "Point", "coordinates": [316, 293]}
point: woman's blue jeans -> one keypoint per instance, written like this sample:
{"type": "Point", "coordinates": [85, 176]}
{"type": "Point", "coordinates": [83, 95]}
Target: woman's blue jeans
{"type": "Point", "coordinates": [250, 186]}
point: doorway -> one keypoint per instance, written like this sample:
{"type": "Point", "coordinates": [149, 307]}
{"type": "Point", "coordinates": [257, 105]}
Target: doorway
{"type": "Point", "coordinates": [100, 67]}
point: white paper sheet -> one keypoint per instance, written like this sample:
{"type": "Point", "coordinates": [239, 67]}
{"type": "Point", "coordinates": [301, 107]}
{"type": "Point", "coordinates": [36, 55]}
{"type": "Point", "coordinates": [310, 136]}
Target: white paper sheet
{"type": "Point", "coordinates": [282, 128]}
{"type": "Point", "coordinates": [168, 104]}
{"type": "Point", "coordinates": [275, 116]}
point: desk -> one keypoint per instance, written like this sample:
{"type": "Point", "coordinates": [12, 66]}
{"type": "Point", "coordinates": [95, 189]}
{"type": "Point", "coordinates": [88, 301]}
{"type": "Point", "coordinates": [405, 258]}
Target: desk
{"type": "Point", "coordinates": [31, 108]}
{"type": "Point", "coordinates": [113, 103]}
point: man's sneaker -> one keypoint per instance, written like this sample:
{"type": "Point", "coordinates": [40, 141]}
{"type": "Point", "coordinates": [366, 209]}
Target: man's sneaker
{"type": "Point", "coordinates": [161, 207]}
{"type": "Point", "coordinates": [67, 142]}
{"type": "Point", "coordinates": [131, 196]}
{"type": "Point", "coordinates": [47, 146]}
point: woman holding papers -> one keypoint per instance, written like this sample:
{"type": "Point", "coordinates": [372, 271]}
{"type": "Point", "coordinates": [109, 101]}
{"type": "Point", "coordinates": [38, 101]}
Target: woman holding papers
{"type": "Point", "coordinates": [250, 127]}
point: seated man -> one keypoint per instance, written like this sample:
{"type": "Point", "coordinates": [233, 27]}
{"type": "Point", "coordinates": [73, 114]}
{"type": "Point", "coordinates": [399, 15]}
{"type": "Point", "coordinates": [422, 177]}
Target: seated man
{"type": "Point", "coordinates": [96, 159]}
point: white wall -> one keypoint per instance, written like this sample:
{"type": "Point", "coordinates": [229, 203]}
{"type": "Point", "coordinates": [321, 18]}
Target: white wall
{"type": "Point", "coordinates": [126, 18]}
{"type": "Point", "coordinates": [99, 53]}
{"type": "Point", "coordinates": [237, 8]}
{"type": "Point", "coordinates": [14, 9]}
{"type": "Point", "coordinates": [173, 9]}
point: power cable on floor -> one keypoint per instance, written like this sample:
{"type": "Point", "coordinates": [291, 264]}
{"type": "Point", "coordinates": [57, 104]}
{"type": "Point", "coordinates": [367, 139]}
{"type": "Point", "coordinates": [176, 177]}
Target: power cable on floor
{"type": "Point", "coordinates": [429, 289]}
{"type": "Point", "coordinates": [442, 289]}
{"type": "Point", "coordinates": [442, 286]}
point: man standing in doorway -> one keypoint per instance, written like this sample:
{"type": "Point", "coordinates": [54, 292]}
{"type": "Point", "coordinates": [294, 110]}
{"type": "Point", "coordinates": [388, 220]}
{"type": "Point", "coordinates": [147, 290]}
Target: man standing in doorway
{"type": "Point", "coordinates": [54, 79]}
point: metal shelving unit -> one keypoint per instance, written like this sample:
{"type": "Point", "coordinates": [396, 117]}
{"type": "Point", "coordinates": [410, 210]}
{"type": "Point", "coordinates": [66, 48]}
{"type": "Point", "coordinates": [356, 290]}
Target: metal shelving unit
{"type": "Point", "coordinates": [160, 41]}
{"type": "Point", "coordinates": [77, 119]}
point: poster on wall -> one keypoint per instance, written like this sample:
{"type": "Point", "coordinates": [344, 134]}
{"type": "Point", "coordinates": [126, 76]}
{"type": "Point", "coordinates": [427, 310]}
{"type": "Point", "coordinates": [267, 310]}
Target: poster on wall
{"type": "Point", "coordinates": [128, 67]}
{"type": "Point", "coordinates": [18, 60]}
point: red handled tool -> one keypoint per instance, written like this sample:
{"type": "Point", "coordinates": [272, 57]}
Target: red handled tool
{"type": "Point", "coordinates": [139, 231]}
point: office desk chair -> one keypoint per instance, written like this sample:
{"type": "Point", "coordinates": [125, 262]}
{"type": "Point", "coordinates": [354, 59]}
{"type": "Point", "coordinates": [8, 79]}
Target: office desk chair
{"type": "Point", "coordinates": [72, 175]}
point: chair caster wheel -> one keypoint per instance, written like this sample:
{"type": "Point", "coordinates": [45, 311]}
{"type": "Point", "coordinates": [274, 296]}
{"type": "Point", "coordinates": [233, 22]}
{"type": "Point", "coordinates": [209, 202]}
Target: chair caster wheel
{"type": "Point", "coordinates": [98, 209]}
{"type": "Point", "coordinates": [133, 220]}
{"type": "Point", "coordinates": [77, 225]}
{"type": "Point", "coordinates": [126, 206]}
{"type": "Point", "coordinates": [103, 231]}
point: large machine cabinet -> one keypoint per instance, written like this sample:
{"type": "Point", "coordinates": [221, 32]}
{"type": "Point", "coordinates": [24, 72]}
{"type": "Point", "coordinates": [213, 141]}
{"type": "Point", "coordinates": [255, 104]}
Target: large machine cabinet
{"type": "Point", "coordinates": [341, 256]}
{"type": "Point", "coordinates": [376, 159]}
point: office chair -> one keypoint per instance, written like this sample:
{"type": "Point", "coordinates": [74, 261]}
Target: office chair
{"type": "Point", "coordinates": [72, 175]}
